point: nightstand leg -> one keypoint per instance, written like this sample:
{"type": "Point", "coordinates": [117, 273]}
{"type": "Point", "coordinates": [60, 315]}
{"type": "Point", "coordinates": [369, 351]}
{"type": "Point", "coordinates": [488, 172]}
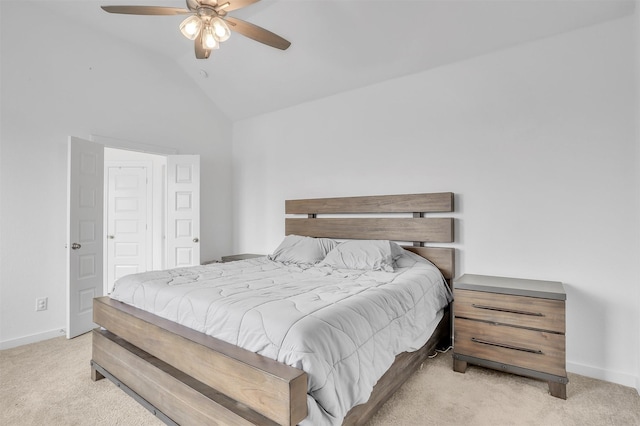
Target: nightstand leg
{"type": "Point", "coordinates": [559, 390]}
{"type": "Point", "coordinates": [461, 366]}
{"type": "Point", "coordinates": [96, 375]}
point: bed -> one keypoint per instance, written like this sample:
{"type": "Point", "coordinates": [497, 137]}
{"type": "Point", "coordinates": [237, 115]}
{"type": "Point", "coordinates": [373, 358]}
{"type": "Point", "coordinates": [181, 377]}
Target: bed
{"type": "Point", "coordinates": [185, 376]}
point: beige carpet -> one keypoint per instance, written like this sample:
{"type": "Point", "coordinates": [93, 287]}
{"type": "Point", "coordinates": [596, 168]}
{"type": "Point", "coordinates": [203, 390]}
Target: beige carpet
{"type": "Point", "coordinates": [48, 383]}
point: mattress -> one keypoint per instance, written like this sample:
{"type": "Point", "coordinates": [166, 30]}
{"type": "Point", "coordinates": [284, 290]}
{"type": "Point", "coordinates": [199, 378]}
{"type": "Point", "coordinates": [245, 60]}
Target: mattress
{"type": "Point", "coordinates": [343, 327]}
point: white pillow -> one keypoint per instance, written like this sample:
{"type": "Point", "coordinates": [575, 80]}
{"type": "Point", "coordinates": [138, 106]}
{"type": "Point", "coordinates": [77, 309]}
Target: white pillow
{"type": "Point", "coordinates": [298, 249]}
{"type": "Point", "coordinates": [375, 255]}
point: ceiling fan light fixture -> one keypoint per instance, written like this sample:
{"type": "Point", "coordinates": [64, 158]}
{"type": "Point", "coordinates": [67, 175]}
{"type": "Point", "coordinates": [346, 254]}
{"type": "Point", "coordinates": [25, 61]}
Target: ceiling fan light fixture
{"type": "Point", "coordinates": [221, 30]}
{"type": "Point", "coordinates": [191, 26]}
{"type": "Point", "coordinates": [209, 40]}
{"type": "Point", "coordinates": [207, 23]}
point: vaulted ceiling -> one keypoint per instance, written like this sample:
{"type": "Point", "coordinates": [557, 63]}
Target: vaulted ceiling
{"type": "Point", "coordinates": [340, 45]}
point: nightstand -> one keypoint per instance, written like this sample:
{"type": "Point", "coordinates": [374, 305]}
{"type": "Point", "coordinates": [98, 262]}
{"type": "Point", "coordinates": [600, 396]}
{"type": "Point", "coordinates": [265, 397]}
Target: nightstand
{"type": "Point", "coordinates": [234, 257]}
{"type": "Point", "coordinates": [510, 324]}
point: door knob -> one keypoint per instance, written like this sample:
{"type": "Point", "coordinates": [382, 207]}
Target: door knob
{"type": "Point", "coordinates": [195, 240]}
{"type": "Point", "coordinates": [75, 246]}
{"type": "Point", "coordinates": [111, 237]}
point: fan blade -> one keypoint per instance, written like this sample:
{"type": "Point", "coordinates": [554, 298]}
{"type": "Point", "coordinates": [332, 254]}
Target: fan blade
{"type": "Point", "coordinates": [145, 10]}
{"type": "Point", "coordinates": [234, 4]}
{"type": "Point", "coordinates": [201, 52]}
{"type": "Point", "coordinates": [257, 33]}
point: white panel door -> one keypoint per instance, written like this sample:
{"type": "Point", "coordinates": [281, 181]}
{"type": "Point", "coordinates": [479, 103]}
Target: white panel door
{"type": "Point", "coordinates": [183, 210]}
{"type": "Point", "coordinates": [85, 237]}
{"type": "Point", "coordinates": [128, 242]}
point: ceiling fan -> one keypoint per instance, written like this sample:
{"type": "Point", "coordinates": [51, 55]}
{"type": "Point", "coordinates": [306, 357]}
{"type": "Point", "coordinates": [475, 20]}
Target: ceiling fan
{"type": "Point", "coordinates": [208, 24]}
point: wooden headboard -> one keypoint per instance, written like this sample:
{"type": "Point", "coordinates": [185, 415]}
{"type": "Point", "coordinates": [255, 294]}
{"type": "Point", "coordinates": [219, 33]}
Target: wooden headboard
{"type": "Point", "coordinates": [418, 229]}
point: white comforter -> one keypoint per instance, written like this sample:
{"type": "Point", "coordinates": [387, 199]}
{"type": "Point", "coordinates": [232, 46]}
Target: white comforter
{"type": "Point", "coordinates": [342, 327]}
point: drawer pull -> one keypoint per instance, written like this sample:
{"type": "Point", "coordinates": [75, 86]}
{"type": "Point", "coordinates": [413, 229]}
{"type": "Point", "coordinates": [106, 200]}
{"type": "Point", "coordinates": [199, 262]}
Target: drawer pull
{"type": "Point", "coordinates": [511, 311]}
{"type": "Point", "coordinates": [504, 345]}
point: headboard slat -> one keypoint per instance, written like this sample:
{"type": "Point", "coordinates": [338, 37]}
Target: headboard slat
{"type": "Point", "coordinates": [434, 230]}
{"type": "Point", "coordinates": [408, 203]}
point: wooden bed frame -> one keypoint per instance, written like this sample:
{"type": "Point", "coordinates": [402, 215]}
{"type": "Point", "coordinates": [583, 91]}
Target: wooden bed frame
{"type": "Point", "coordinates": [186, 377]}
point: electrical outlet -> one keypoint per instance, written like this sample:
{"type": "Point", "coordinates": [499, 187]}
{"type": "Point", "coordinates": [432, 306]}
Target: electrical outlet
{"type": "Point", "coordinates": [41, 304]}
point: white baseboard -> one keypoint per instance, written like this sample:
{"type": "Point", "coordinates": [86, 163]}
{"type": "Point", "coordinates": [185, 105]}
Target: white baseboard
{"type": "Point", "coordinates": [8, 344]}
{"type": "Point", "coordinates": [617, 377]}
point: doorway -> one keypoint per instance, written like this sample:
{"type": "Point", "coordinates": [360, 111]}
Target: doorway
{"type": "Point", "coordinates": [133, 213]}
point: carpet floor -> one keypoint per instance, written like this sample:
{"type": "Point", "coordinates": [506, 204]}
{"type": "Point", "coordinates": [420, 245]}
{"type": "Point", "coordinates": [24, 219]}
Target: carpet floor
{"type": "Point", "coordinates": [48, 383]}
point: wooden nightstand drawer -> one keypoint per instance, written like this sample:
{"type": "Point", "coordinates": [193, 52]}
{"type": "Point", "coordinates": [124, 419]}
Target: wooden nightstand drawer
{"type": "Point", "coordinates": [531, 349]}
{"type": "Point", "coordinates": [521, 311]}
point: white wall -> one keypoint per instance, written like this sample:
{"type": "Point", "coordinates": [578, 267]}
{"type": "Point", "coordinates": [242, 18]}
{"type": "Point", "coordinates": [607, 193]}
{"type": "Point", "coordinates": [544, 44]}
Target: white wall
{"type": "Point", "coordinates": [538, 142]}
{"type": "Point", "coordinates": [56, 84]}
